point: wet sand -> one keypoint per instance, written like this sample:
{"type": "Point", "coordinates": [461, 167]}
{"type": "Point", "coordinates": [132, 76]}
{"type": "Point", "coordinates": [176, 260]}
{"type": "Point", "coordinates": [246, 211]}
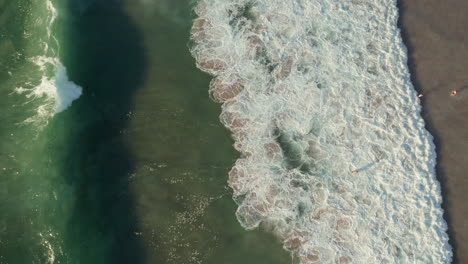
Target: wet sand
{"type": "Point", "coordinates": [436, 35]}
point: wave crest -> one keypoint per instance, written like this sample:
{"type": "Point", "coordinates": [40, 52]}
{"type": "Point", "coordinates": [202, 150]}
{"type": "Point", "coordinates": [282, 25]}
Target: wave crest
{"type": "Point", "coordinates": [46, 85]}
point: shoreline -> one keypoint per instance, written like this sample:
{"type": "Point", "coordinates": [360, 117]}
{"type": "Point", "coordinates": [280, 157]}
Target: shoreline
{"type": "Point", "coordinates": [435, 42]}
{"type": "Point", "coordinates": [250, 119]}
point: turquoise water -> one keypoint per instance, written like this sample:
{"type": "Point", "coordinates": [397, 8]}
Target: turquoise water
{"type": "Point", "coordinates": [135, 170]}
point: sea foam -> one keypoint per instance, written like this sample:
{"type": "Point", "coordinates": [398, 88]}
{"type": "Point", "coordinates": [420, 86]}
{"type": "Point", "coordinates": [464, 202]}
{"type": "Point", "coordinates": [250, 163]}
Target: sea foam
{"type": "Point", "coordinates": [313, 90]}
{"type": "Point", "coordinates": [53, 92]}
{"type": "Point", "coordinates": [57, 92]}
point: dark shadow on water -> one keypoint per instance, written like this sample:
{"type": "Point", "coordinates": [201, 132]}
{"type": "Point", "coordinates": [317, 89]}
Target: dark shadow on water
{"type": "Point", "coordinates": [441, 175]}
{"type": "Point", "coordinates": [104, 55]}
{"type": "Point", "coordinates": [187, 136]}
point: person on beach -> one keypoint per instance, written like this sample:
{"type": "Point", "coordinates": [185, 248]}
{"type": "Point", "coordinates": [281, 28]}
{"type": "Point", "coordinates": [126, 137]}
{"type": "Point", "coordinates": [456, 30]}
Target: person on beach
{"type": "Point", "coordinates": [454, 92]}
{"type": "Point", "coordinates": [420, 95]}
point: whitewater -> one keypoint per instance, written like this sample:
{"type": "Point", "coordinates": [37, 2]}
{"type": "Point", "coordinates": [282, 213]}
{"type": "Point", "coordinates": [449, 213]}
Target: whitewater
{"type": "Point", "coordinates": [46, 86]}
{"type": "Point", "coordinates": [313, 90]}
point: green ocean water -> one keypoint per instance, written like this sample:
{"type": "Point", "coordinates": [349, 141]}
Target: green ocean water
{"type": "Point", "coordinates": [135, 170]}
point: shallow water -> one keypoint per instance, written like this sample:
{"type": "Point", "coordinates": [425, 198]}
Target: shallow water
{"type": "Point", "coordinates": [335, 158]}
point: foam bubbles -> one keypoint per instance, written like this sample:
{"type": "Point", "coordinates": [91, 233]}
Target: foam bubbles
{"type": "Point", "coordinates": [311, 91]}
{"type": "Point", "coordinates": [48, 86]}
{"type": "Point", "coordinates": [66, 91]}
{"type": "Point", "coordinates": [55, 93]}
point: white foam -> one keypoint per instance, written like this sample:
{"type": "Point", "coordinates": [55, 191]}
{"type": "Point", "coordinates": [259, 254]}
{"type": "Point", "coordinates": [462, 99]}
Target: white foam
{"type": "Point", "coordinates": [66, 91]}
{"type": "Point", "coordinates": [313, 90]}
{"type": "Point", "coordinates": [54, 92]}
{"type": "Point", "coordinates": [50, 252]}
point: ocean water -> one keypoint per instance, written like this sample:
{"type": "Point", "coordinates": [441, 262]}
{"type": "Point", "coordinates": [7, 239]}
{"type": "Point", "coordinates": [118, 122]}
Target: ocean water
{"type": "Point", "coordinates": [34, 87]}
{"type": "Point", "coordinates": [335, 160]}
{"type": "Point", "coordinates": [112, 148]}
{"type": "Point", "coordinates": [107, 152]}
{"type": "Point", "coordinates": [52, 92]}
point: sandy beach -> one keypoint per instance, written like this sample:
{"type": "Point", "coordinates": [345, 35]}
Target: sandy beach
{"type": "Point", "coordinates": [436, 35]}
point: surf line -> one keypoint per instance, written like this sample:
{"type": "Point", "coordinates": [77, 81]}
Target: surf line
{"type": "Point", "coordinates": [302, 83]}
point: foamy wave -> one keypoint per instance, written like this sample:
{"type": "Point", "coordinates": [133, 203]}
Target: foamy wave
{"type": "Point", "coordinates": [46, 242]}
{"type": "Point", "coordinates": [56, 93]}
{"type": "Point", "coordinates": [53, 92]}
{"type": "Point", "coordinates": [311, 91]}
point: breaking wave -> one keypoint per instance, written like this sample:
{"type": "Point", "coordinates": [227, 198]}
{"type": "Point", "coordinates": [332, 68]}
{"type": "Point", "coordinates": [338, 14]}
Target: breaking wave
{"type": "Point", "coordinates": [47, 86]}
{"type": "Point", "coordinates": [314, 90]}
